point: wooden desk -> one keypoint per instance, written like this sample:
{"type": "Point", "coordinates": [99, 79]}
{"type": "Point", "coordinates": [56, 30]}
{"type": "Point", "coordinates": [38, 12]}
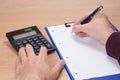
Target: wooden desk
{"type": "Point", "coordinates": [16, 14]}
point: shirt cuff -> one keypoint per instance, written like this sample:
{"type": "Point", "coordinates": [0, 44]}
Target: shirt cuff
{"type": "Point", "coordinates": [113, 45]}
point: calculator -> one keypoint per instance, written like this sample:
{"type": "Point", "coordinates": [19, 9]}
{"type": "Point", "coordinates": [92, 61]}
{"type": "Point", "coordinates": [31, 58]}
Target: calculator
{"type": "Point", "coordinates": [30, 35]}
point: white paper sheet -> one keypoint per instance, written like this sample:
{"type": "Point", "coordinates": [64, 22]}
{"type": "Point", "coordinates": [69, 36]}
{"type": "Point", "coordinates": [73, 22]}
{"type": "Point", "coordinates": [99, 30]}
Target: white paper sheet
{"type": "Point", "coordinates": [85, 57]}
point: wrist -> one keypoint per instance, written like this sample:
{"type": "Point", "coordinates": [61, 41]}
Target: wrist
{"type": "Point", "coordinates": [107, 34]}
{"type": "Point", "coordinates": [29, 77]}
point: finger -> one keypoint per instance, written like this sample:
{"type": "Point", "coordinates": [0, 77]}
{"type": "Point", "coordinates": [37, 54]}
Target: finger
{"type": "Point", "coordinates": [58, 68]}
{"type": "Point", "coordinates": [18, 65]}
{"type": "Point", "coordinates": [20, 60]}
{"type": "Point", "coordinates": [29, 50]}
{"type": "Point", "coordinates": [43, 52]}
{"type": "Point", "coordinates": [78, 28]}
{"type": "Point", "coordinates": [81, 34]}
{"type": "Point", "coordinates": [77, 23]}
{"type": "Point", "coordinates": [22, 55]}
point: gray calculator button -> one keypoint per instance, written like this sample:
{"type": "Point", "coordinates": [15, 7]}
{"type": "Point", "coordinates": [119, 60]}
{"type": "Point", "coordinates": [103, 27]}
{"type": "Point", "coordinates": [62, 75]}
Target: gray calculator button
{"type": "Point", "coordinates": [34, 45]}
{"type": "Point", "coordinates": [48, 45]}
{"type": "Point", "coordinates": [25, 42]}
{"type": "Point", "coordinates": [32, 42]}
{"type": "Point", "coordinates": [21, 46]}
{"type": "Point", "coordinates": [45, 42]}
{"type": "Point", "coordinates": [38, 50]}
{"type": "Point", "coordinates": [19, 43]}
{"type": "Point", "coordinates": [35, 38]}
{"type": "Point", "coordinates": [39, 43]}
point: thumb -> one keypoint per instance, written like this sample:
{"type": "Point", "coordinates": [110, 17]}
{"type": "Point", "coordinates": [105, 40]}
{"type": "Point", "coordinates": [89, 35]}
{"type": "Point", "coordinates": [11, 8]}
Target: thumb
{"type": "Point", "coordinates": [57, 69]}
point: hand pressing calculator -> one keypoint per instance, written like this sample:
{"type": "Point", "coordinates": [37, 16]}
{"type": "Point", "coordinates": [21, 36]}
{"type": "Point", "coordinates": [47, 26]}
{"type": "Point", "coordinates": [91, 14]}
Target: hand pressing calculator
{"type": "Point", "coordinates": [30, 35]}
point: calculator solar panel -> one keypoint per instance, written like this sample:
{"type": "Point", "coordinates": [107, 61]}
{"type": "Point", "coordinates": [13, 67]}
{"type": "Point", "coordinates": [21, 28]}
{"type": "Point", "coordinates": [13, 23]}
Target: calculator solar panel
{"type": "Point", "coordinates": [30, 35]}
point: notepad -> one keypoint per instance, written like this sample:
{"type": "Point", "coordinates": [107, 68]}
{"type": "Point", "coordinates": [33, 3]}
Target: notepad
{"type": "Point", "coordinates": [86, 58]}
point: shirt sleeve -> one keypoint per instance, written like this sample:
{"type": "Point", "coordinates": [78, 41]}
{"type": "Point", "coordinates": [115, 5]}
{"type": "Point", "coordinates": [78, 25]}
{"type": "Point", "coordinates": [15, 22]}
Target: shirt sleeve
{"type": "Point", "coordinates": [113, 46]}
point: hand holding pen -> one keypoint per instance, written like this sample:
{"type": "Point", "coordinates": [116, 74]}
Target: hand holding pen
{"type": "Point", "coordinates": [96, 25]}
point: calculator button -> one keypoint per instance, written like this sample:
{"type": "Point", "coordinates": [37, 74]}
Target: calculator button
{"type": "Point", "coordinates": [28, 38]}
{"type": "Point", "coordinates": [32, 42]}
{"type": "Point", "coordinates": [39, 43]}
{"type": "Point", "coordinates": [25, 42]}
{"type": "Point", "coordinates": [43, 39]}
{"type": "Point", "coordinates": [48, 45]}
{"type": "Point", "coordinates": [38, 50]}
{"type": "Point", "coordinates": [45, 42]}
{"type": "Point", "coordinates": [21, 46]}
{"type": "Point", "coordinates": [35, 38]}
{"type": "Point", "coordinates": [19, 43]}
{"type": "Point", "coordinates": [34, 45]}
{"type": "Point", "coordinates": [40, 36]}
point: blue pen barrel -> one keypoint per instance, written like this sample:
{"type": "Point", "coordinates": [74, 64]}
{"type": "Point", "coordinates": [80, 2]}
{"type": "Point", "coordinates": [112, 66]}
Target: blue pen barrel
{"type": "Point", "coordinates": [114, 27]}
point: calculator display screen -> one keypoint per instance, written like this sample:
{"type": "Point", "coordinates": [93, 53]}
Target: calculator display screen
{"type": "Point", "coordinates": [23, 35]}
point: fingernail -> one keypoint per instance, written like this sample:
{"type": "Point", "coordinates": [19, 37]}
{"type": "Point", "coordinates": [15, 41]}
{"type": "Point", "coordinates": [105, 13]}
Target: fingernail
{"type": "Point", "coordinates": [27, 45]}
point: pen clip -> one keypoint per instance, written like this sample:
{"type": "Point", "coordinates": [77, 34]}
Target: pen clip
{"type": "Point", "coordinates": [68, 24]}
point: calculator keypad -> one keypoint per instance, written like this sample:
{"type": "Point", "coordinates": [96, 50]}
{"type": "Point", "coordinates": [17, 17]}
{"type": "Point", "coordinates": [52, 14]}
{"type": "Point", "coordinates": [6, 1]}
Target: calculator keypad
{"type": "Point", "coordinates": [36, 42]}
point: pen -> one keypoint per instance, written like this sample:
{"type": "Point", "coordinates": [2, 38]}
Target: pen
{"type": "Point", "coordinates": [98, 9]}
{"type": "Point", "coordinates": [86, 20]}
{"type": "Point", "coordinates": [113, 27]}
